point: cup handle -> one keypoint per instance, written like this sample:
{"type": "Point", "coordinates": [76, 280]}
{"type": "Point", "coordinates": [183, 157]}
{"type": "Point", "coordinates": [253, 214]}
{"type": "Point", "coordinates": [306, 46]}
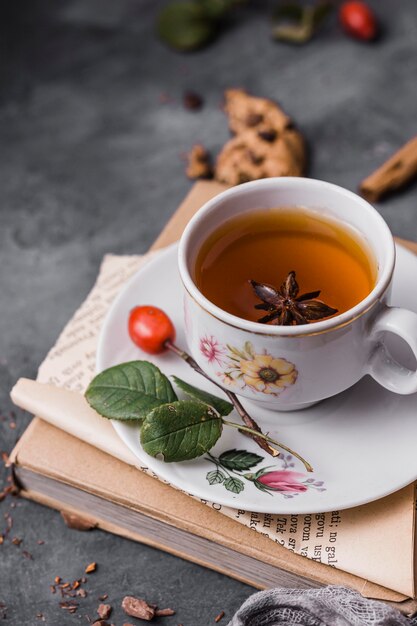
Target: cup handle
{"type": "Point", "coordinates": [381, 365]}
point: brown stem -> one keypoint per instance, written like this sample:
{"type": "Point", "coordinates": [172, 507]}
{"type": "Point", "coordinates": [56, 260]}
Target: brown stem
{"type": "Point", "coordinates": [246, 418]}
{"type": "Point", "coordinates": [250, 422]}
{"type": "Point", "coordinates": [268, 438]}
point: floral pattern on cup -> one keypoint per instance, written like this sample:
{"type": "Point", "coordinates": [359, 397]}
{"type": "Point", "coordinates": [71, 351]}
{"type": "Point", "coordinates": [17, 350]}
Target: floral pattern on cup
{"type": "Point", "coordinates": [261, 372]}
{"type": "Point", "coordinates": [231, 471]}
{"type": "Point", "coordinates": [211, 349]}
{"type": "Point", "coordinates": [266, 374]}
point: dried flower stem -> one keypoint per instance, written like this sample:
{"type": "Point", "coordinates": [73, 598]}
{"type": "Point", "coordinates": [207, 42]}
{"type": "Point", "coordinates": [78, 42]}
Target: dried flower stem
{"type": "Point", "coordinates": [262, 440]}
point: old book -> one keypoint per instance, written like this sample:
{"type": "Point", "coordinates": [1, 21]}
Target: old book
{"type": "Point", "coordinates": [58, 469]}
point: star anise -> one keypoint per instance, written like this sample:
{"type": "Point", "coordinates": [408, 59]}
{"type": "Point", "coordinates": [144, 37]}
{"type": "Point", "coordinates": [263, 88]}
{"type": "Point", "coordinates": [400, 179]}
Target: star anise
{"type": "Point", "coordinates": [285, 307]}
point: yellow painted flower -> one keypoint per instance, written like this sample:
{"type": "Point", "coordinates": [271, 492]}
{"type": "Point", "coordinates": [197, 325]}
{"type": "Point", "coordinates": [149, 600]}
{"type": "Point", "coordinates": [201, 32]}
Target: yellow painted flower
{"type": "Point", "coordinates": [268, 375]}
{"type": "Point", "coordinates": [226, 379]}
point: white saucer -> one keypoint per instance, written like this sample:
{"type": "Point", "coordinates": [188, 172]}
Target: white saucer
{"type": "Point", "coordinates": [361, 443]}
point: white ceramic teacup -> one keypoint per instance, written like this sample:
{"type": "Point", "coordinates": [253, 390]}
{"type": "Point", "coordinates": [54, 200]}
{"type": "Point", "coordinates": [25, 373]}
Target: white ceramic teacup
{"type": "Point", "coordinates": [292, 367]}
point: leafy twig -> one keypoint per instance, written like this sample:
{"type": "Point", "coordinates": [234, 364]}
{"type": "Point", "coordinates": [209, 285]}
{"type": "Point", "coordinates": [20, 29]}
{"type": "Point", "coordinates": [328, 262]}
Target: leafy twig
{"type": "Point", "coordinates": [178, 430]}
{"type": "Point", "coordinates": [246, 418]}
{"type": "Point", "coordinates": [297, 23]}
{"type": "Point", "coordinates": [262, 440]}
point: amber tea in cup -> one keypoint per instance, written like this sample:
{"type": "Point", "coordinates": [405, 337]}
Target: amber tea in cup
{"type": "Point", "coordinates": [237, 257]}
{"type": "Point", "coordinates": [266, 245]}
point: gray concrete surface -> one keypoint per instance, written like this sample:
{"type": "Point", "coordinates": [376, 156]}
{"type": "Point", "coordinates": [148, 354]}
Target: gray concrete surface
{"type": "Point", "coordinates": [90, 163]}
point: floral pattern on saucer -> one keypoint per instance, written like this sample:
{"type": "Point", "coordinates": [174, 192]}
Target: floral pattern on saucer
{"type": "Point", "coordinates": [231, 465]}
{"type": "Point", "coordinates": [261, 372]}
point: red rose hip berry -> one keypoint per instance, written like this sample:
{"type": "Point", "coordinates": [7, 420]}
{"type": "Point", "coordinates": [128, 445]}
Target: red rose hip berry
{"type": "Point", "coordinates": [150, 329]}
{"type": "Point", "coordinates": [358, 20]}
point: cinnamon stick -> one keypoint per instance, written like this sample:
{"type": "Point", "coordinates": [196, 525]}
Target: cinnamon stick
{"type": "Point", "coordinates": [395, 173]}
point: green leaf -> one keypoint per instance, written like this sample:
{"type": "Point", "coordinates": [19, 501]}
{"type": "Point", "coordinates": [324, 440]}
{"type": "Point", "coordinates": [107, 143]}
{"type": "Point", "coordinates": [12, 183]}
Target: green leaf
{"type": "Point", "coordinates": [180, 430]}
{"type": "Point", "coordinates": [222, 406]}
{"type": "Point", "coordinates": [129, 391]}
{"type": "Point", "coordinates": [234, 484]}
{"type": "Point", "coordinates": [216, 9]}
{"type": "Point", "coordinates": [215, 477]}
{"type": "Point", "coordinates": [239, 460]}
{"type": "Point", "coordinates": [185, 25]}
{"type": "Point", "coordinates": [321, 11]}
{"type": "Point", "coordinates": [297, 23]}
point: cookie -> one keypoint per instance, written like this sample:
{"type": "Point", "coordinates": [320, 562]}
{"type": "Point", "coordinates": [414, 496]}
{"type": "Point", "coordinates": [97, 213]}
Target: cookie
{"type": "Point", "coordinates": [245, 112]}
{"type": "Point", "coordinates": [250, 156]}
{"type": "Point", "coordinates": [265, 144]}
{"type": "Point", "coordinates": [199, 163]}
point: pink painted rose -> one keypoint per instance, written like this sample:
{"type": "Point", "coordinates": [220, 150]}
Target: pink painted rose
{"type": "Point", "coordinates": [281, 480]}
